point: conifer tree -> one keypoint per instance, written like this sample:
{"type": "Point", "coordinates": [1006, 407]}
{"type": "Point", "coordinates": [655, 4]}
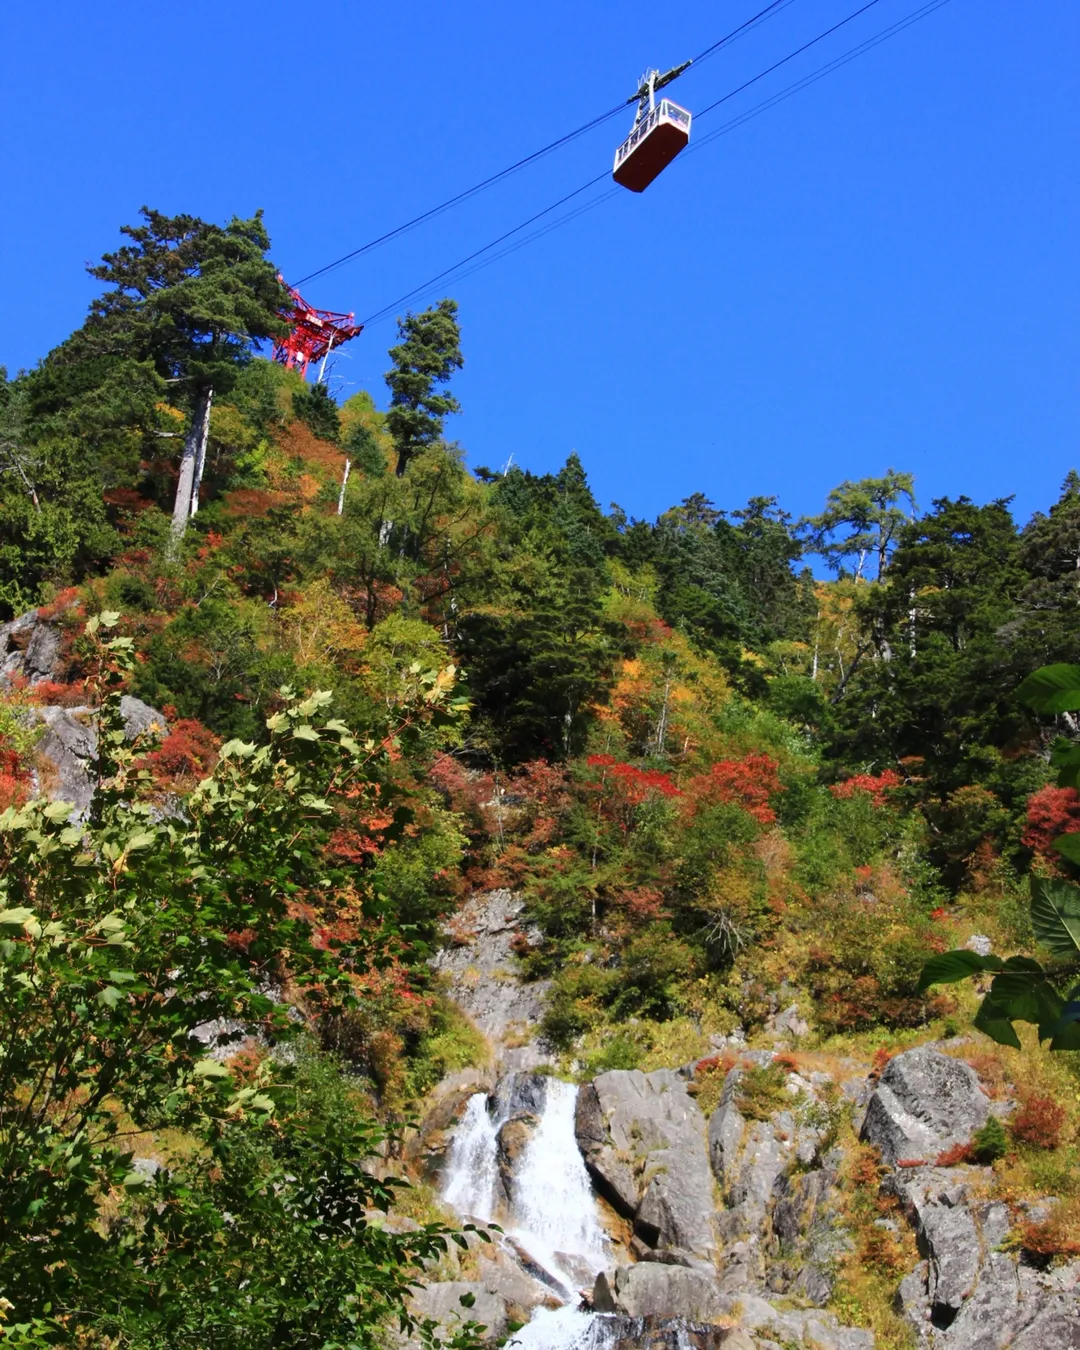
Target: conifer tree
{"type": "Point", "coordinates": [427, 355]}
{"type": "Point", "coordinates": [192, 298]}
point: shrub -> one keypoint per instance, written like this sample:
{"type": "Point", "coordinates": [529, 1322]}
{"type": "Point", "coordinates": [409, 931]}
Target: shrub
{"type": "Point", "coordinates": [749, 782]}
{"type": "Point", "coordinates": [1052, 1237]}
{"type": "Point", "coordinates": [56, 692]}
{"type": "Point", "coordinates": [1038, 1122]}
{"type": "Point", "coordinates": [959, 1153]}
{"type": "Point", "coordinates": [762, 1091]}
{"type": "Point", "coordinates": [620, 1052]}
{"type": "Point", "coordinates": [876, 787]}
{"type": "Point", "coordinates": [1050, 812]}
{"type": "Point", "coordinates": [187, 754]}
{"type": "Point", "coordinates": [989, 1143]}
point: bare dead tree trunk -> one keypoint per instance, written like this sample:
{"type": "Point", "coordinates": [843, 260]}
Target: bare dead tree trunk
{"type": "Point", "coordinates": [31, 491]}
{"type": "Point", "coordinates": [185, 483]}
{"type": "Point", "coordinates": [344, 484]}
{"type": "Point", "coordinates": [200, 457]}
{"type": "Point", "coordinates": [662, 720]}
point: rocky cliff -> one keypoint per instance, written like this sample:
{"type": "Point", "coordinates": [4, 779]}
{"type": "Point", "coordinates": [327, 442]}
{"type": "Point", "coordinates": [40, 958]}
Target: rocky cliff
{"type": "Point", "coordinates": [740, 1194]}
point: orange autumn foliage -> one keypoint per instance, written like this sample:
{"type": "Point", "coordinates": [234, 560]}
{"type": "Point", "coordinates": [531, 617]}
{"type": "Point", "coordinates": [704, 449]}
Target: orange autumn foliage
{"type": "Point", "coordinates": [749, 782]}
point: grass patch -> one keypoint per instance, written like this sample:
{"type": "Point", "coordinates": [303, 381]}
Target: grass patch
{"type": "Point", "coordinates": [762, 1091]}
{"type": "Point", "coordinates": [869, 1276]}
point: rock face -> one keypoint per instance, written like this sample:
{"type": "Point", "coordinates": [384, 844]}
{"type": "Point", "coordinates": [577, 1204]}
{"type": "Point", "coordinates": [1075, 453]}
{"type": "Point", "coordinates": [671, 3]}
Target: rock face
{"type": "Point", "coordinates": [650, 1291]}
{"type": "Point", "coordinates": [480, 961]}
{"type": "Point", "coordinates": [966, 1294]}
{"type": "Point", "coordinates": [29, 648]}
{"type": "Point", "coordinates": [669, 1333]}
{"type": "Point", "coordinates": [443, 1304]}
{"type": "Point", "coordinates": [643, 1140]}
{"type": "Point", "coordinates": [779, 1196]}
{"type": "Point", "coordinates": [925, 1103]}
{"type": "Point", "coordinates": [66, 752]}
{"type": "Point", "coordinates": [653, 1289]}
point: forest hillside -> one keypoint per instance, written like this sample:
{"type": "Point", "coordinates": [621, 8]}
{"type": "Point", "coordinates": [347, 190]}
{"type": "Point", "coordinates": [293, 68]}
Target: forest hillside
{"type": "Point", "coordinates": [288, 691]}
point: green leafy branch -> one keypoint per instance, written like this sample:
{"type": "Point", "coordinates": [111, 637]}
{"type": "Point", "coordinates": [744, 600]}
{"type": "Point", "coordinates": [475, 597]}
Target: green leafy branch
{"type": "Point", "coordinates": [1024, 989]}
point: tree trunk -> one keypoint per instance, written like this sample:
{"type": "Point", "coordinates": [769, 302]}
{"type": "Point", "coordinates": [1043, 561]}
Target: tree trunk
{"type": "Point", "coordinates": [200, 456]}
{"type": "Point", "coordinates": [661, 722]}
{"type": "Point", "coordinates": [186, 480]}
{"type": "Point", "coordinates": [344, 484]}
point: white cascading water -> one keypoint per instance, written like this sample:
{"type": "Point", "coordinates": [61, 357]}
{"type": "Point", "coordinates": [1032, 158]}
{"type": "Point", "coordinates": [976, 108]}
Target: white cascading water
{"type": "Point", "coordinates": [471, 1168]}
{"type": "Point", "coordinates": [554, 1214]}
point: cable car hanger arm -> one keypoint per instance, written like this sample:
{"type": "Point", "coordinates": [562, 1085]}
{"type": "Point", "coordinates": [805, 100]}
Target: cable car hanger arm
{"type": "Point", "coordinates": [651, 81]}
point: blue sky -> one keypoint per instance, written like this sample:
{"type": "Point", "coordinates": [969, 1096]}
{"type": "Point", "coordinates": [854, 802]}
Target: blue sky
{"type": "Point", "coordinates": [881, 271]}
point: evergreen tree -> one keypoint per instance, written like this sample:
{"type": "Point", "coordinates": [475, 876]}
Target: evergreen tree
{"type": "Point", "coordinates": [941, 653]}
{"type": "Point", "coordinates": [53, 525]}
{"type": "Point", "coordinates": [318, 411]}
{"type": "Point", "coordinates": [191, 299]}
{"type": "Point", "coordinates": [427, 355]}
{"type": "Point", "coordinates": [863, 519]}
{"type": "Point", "coordinates": [1050, 554]}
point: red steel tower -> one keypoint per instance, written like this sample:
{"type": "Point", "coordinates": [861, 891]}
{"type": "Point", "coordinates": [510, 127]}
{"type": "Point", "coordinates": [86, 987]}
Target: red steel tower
{"type": "Point", "coordinates": [313, 333]}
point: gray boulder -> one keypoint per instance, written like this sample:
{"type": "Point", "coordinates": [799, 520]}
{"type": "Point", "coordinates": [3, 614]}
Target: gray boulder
{"type": "Point", "coordinates": [64, 756]}
{"type": "Point", "coordinates": [520, 1094]}
{"type": "Point", "coordinates": [512, 1140]}
{"type": "Point", "coordinates": [442, 1303]}
{"type": "Point", "coordinates": [810, 1327]}
{"type": "Point", "coordinates": [656, 1290]}
{"type": "Point", "coordinates": [924, 1103]}
{"type": "Point", "coordinates": [968, 1294]}
{"type": "Point", "coordinates": [142, 720]}
{"type": "Point", "coordinates": [643, 1140]}
{"type": "Point", "coordinates": [662, 1333]}
{"type": "Point", "coordinates": [65, 753]}
{"type": "Point", "coordinates": [30, 648]}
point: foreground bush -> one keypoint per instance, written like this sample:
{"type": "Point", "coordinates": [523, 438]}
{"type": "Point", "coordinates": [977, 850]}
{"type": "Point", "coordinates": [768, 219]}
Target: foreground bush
{"type": "Point", "coordinates": [247, 1220]}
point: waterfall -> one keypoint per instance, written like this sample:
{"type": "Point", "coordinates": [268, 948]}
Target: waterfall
{"type": "Point", "coordinates": [471, 1168]}
{"type": "Point", "coordinates": [554, 1210]}
{"type": "Point", "coordinates": [564, 1329]}
{"type": "Point", "coordinates": [553, 1216]}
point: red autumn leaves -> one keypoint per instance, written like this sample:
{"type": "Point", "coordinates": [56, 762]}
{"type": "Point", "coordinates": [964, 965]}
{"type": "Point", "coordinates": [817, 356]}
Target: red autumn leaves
{"type": "Point", "coordinates": [750, 782]}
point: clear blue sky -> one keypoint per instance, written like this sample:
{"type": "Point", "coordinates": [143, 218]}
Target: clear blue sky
{"type": "Point", "coordinates": [882, 270]}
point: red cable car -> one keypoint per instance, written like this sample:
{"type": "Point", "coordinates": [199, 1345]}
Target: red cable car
{"type": "Point", "coordinates": [660, 131]}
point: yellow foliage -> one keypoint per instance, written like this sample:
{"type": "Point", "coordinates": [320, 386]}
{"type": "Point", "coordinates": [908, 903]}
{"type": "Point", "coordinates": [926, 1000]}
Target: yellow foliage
{"type": "Point", "coordinates": [320, 628]}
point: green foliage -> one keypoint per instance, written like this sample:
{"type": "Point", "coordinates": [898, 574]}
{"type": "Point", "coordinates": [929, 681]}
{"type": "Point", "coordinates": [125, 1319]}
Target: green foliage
{"type": "Point", "coordinates": [53, 524]}
{"type": "Point", "coordinates": [868, 518]}
{"type": "Point", "coordinates": [990, 1142]}
{"type": "Point", "coordinates": [762, 1091]}
{"type": "Point", "coordinates": [1023, 990]}
{"type": "Point", "coordinates": [427, 355]}
{"type": "Point", "coordinates": [317, 410]}
{"type": "Point", "coordinates": [119, 937]}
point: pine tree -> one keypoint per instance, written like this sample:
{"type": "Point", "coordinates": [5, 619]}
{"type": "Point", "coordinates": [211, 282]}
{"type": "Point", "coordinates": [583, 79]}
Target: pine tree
{"type": "Point", "coordinates": [192, 299]}
{"type": "Point", "coordinates": [427, 355]}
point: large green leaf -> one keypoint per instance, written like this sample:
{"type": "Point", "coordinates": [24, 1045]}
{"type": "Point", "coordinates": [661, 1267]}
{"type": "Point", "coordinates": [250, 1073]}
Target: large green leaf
{"type": "Point", "coordinates": [1065, 1035]}
{"type": "Point", "coordinates": [1024, 993]}
{"type": "Point", "coordinates": [1055, 916]}
{"type": "Point", "coordinates": [1065, 757]}
{"type": "Point", "coordinates": [950, 967]}
{"type": "Point", "coordinates": [1052, 689]}
{"type": "Point", "coordinates": [993, 1020]}
{"type": "Point", "coordinates": [1068, 845]}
